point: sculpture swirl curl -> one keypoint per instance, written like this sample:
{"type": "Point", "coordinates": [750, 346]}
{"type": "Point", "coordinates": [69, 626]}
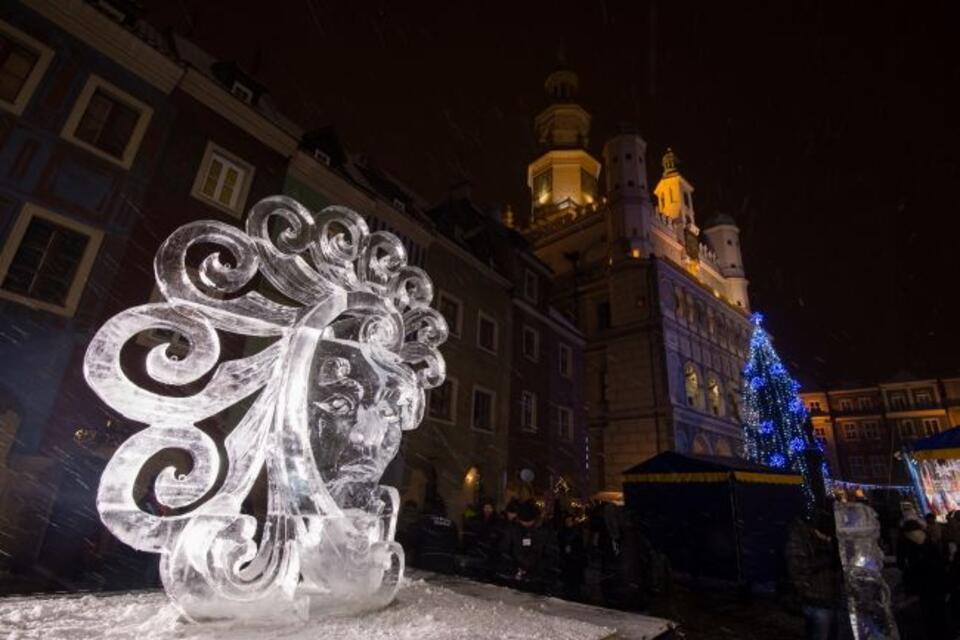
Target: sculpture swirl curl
{"type": "Point", "coordinates": [353, 343]}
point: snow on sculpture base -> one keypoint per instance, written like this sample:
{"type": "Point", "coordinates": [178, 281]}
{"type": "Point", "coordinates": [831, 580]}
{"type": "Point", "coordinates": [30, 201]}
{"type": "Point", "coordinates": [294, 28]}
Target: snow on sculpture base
{"type": "Point", "coordinates": [431, 608]}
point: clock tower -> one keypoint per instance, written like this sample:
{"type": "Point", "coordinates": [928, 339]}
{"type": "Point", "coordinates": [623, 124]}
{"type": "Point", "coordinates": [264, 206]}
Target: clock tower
{"type": "Point", "coordinates": [564, 178]}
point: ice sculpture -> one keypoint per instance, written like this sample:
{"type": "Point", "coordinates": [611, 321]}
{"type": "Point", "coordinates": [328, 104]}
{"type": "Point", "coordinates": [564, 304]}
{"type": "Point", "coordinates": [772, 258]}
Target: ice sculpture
{"type": "Point", "coordinates": [353, 344]}
{"type": "Point", "coordinates": [868, 596]}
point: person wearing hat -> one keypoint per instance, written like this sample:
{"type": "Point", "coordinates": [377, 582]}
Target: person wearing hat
{"type": "Point", "coordinates": [523, 548]}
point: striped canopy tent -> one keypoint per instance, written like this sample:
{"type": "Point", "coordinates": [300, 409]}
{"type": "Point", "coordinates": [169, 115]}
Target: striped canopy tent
{"type": "Point", "coordinates": [934, 464]}
{"type": "Point", "coordinates": [721, 517]}
{"type": "Point", "coordinates": [940, 446]}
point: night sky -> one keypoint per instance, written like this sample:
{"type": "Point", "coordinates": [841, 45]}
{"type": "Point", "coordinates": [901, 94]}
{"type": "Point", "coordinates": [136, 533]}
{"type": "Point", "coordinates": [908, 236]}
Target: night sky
{"type": "Point", "coordinates": [829, 131]}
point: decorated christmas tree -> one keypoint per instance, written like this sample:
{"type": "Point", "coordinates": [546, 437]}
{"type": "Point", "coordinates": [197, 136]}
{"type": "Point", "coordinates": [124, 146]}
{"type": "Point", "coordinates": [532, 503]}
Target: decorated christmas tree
{"type": "Point", "coordinates": [776, 425]}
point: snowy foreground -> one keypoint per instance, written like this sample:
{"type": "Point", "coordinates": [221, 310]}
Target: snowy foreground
{"type": "Point", "coordinates": [427, 607]}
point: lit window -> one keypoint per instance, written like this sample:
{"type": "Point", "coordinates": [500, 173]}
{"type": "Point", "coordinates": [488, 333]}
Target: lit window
{"type": "Point", "coordinates": [108, 122]}
{"type": "Point", "coordinates": [931, 426]}
{"type": "Point", "coordinates": [443, 401]}
{"type": "Point", "coordinates": [242, 91]}
{"type": "Point", "coordinates": [692, 386]}
{"type": "Point", "coordinates": [223, 180]}
{"type": "Point", "coordinates": [528, 411]}
{"type": "Point", "coordinates": [871, 431]}
{"type": "Point", "coordinates": [482, 414]}
{"type": "Point", "coordinates": [452, 311]}
{"type": "Point", "coordinates": [714, 396]}
{"type": "Point", "coordinates": [46, 260]}
{"type": "Point", "coordinates": [23, 61]}
{"type": "Point", "coordinates": [923, 398]}
{"type": "Point", "coordinates": [486, 333]}
{"type": "Point", "coordinates": [898, 401]}
{"type": "Point", "coordinates": [530, 286]}
{"type": "Point", "coordinates": [565, 423]}
{"type": "Point", "coordinates": [815, 407]}
{"type": "Point", "coordinates": [531, 343]}
{"type": "Point", "coordinates": [566, 361]}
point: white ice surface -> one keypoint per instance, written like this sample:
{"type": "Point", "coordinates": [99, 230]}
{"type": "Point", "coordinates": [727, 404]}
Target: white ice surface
{"type": "Point", "coordinates": [422, 611]}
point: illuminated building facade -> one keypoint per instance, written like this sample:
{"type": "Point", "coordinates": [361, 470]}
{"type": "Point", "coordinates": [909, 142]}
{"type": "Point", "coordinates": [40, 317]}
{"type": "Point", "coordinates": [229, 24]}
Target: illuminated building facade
{"type": "Point", "coordinates": [662, 303]}
{"type": "Point", "coordinates": [862, 427]}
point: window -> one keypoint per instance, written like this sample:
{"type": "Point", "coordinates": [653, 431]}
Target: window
{"type": "Point", "coordinates": [530, 282]}
{"type": "Point", "coordinates": [906, 429]}
{"type": "Point", "coordinates": [565, 356]}
{"type": "Point", "coordinates": [47, 259]}
{"type": "Point", "coordinates": [223, 180]}
{"type": "Point", "coordinates": [531, 344]}
{"type": "Point", "coordinates": [452, 311]}
{"type": "Point", "coordinates": [850, 431]}
{"type": "Point", "coordinates": [714, 396]}
{"type": "Point", "coordinates": [865, 402]}
{"type": "Point", "coordinates": [442, 405]}
{"type": "Point", "coordinates": [542, 186]}
{"type": "Point", "coordinates": [898, 401]}
{"type": "Point", "coordinates": [23, 61]}
{"type": "Point", "coordinates": [528, 411]}
{"type": "Point", "coordinates": [242, 91]}
{"type": "Point", "coordinates": [108, 122]}
{"type": "Point", "coordinates": [820, 433]}
{"type": "Point", "coordinates": [815, 407]}
{"type": "Point", "coordinates": [692, 385]}
{"type": "Point", "coordinates": [923, 398]}
{"type": "Point", "coordinates": [482, 414]}
{"type": "Point", "coordinates": [486, 332]}
{"type": "Point", "coordinates": [858, 467]}
{"type": "Point", "coordinates": [931, 426]}
{"type": "Point", "coordinates": [565, 423]}
{"type": "Point", "coordinates": [871, 431]}
{"type": "Point", "coordinates": [879, 467]}
{"type": "Point", "coordinates": [678, 302]}
{"type": "Point", "coordinates": [846, 404]}
{"type": "Point", "coordinates": [603, 315]}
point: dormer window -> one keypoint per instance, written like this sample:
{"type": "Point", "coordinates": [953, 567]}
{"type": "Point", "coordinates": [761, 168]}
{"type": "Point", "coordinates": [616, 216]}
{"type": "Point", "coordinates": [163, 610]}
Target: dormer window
{"type": "Point", "coordinates": [399, 205]}
{"type": "Point", "coordinates": [321, 157]}
{"type": "Point", "coordinates": [242, 91]}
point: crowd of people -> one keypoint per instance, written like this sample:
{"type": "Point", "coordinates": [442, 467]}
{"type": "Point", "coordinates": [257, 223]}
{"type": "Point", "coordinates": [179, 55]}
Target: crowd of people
{"type": "Point", "coordinates": [927, 606]}
{"type": "Point", "coordinates": [564, 551]}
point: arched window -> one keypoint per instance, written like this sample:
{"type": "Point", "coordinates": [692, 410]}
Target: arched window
{"type": "Point", "coordinates": [692, 385]}
{"type": "Point", "coordinates": [714, 397]}
{"type": "Point", "coordinates": [723, 448]}
{"type": "Point", "coordinates": [701, 446]}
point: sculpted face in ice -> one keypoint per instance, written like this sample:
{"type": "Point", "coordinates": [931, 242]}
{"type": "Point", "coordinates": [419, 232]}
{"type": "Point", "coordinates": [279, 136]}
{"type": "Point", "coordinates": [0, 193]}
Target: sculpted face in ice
{"type": "Point", "coordinates": [352, 344]}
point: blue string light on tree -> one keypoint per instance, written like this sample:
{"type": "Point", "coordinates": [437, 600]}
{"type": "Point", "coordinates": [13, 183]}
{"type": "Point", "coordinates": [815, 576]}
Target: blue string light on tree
{"type": "Point", "coordinates": [775, 419]}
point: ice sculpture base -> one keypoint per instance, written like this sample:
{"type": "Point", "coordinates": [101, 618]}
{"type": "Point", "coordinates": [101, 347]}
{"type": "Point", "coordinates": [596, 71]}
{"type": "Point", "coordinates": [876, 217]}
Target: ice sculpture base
{"type": "Point", "coordinates": [427, 607]}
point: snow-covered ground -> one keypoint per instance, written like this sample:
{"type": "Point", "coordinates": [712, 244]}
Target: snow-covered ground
{"type": "Point", "coordinates": [424, 609]}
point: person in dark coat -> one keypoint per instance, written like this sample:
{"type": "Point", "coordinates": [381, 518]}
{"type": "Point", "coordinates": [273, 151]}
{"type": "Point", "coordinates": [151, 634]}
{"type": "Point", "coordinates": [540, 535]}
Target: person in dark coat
{"type": "Point", "coordinates": [924, 576]}
{"type": "Point", "coordinates": [523, 548]}
{"type": "Point", "coordinates": [573, 558]}
{"type": "Point", "coordinates": [813, 563]}
{"type": "Point", "coordinates": [481, 540]}
{"type": "Point", "coordinates": [437, 541]}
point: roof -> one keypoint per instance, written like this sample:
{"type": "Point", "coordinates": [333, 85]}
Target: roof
{"type": "Point", "coordinates": [719, 219]}
{"type": "Point", "coordinates": [675, 462]}
{"type": "Point", "coordinates": [940, 446]}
